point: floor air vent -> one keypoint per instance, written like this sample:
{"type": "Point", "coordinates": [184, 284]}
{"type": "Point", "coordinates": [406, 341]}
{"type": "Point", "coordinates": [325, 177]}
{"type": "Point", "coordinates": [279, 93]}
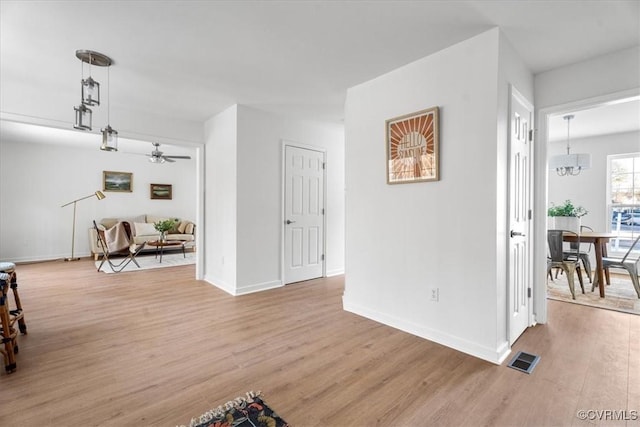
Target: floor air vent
{"type": "Point", "coordinates": [524, 362]}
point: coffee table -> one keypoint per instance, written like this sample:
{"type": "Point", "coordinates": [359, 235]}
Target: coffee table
{"type": "Point", "coordinates": [168, 244]}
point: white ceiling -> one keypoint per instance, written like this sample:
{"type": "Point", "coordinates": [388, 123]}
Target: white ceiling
{"type": "Point", "coordinates": [610, 118]}
{"type": "Point", "coordinates": [190, 60]}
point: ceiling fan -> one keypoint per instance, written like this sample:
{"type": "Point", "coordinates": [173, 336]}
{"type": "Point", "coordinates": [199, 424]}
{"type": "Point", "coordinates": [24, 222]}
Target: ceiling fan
{"type": "Point", "coordinates": [156, 155]}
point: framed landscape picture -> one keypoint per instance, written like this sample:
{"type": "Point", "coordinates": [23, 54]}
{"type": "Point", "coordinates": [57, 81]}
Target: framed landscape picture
{"type": "Point", "coordinates": [117, 181]}
{"type": "Point", "coordinates": [412, 147]}
{"type": "Point", "coordinates": [161, 191]}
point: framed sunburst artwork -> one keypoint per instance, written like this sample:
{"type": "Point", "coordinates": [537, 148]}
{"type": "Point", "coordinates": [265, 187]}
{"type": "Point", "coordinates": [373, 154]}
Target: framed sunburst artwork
{"type": "Point", "coordinates": [412, 147]}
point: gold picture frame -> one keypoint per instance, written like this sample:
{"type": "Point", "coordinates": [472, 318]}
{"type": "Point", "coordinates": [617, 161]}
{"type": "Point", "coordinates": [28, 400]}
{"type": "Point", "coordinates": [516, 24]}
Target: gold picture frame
{"type": "Point", "coordinates": [117, 181]}
{"type": "Point", "coordinates": [413, 145]}
{"type": "Point", "coordinates": [161, 191]}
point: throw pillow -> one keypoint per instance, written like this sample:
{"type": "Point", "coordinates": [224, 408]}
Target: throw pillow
{"type": "Point", "coordinates": [182, 226]}
{"type": "Point", "coordinates": [145, 229]}
{"type": "Point", "coordinates": [132, 221]}
{"type": "Point", "coordinates": [189, 228]}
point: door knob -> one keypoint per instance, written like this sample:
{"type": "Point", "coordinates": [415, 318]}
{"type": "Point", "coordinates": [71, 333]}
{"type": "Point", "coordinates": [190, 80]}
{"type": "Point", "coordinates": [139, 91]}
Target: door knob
{"type": "Point", "coordinates": [516, 233]}
{"type": "Point", "coordinates": [290, 222]}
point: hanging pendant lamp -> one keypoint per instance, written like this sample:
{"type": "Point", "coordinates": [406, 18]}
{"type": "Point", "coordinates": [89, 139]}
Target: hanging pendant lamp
{"type": "Point", "coordinates": [569, 164]}
{"type": "Point", "coordinates": [83, 117]}
{"type": "Point", "coordinates": [90, 89]}
{"type": "Point", "coordinates": [109, 136]}
{"type": "Point", "coordinates": [90, 92]}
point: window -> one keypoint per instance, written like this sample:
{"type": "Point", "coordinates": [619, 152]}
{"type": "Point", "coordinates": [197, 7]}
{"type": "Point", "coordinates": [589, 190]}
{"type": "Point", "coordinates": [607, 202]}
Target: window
{"type": "Point", "coordinates": [624, 199]}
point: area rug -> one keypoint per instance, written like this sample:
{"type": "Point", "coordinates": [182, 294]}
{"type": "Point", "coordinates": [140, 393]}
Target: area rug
{"type": "Point", "coordinates": [619, 296]}
{"type": "Point", "coordinates": [250, 411]}
{"type": "Point", "coordinates": [149, 261]}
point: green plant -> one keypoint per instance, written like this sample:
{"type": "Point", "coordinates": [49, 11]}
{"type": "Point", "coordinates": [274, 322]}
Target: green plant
{"type": "Point", "coordinates": [567, 209]}
{"type": "Point", "coordinates": [165, 225]}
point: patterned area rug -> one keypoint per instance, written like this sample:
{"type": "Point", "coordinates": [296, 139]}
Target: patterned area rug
{"type": "Point", "coordinates": [619, 296]}
{"type": "Point", "coordinates": [149, 261]}
{"type": "Point", "coordinates": [250, 411]}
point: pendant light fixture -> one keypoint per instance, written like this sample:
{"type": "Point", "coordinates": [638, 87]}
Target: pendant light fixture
{"type": "Point", "coordinates": [109, 136]}
{"type": "Point", "coordinates": [83, 117]}
{"type": "Point", "coordinates": [570, 164]}
{"type": "Point", "coordinates": [90, 89]}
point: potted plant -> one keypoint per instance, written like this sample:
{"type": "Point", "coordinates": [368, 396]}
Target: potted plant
{"type": "Point", "coordinates": [566, 216]}
{"type": "Point", "coordinates": [164, 226]}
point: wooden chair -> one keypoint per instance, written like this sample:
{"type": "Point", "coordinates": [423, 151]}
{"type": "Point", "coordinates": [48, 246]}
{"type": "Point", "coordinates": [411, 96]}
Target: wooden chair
{"type": "Point", "coordinates": [628, 262]}
{"type": "Point", "coordinates": [129, 252]}
{"type": "Point", "coordinates": [8, 333]}
{"type": "Point", "coordinates": [557, 259]}
{"type": "Point", "coordinates": [9, 317]}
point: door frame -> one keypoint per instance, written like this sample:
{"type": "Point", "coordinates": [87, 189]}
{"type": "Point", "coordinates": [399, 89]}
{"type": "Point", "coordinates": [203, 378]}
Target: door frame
{"type": "Point", "coordinates": [288, 143]}
{"type": "Point", "coordinates": [515, 93]}
{"type": "Point", "coordinates": [541, 192]}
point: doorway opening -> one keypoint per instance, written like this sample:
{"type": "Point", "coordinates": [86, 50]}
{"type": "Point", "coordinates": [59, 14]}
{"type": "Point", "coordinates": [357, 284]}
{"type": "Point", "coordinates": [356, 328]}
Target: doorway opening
{"type": "Point", "coordinates": [599, 118]}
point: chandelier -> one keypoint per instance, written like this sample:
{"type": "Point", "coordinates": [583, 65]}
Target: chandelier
{"type": "Point", "coordinates": [90, 96]}
{"type": "Point", "coordinates": [569, 164]}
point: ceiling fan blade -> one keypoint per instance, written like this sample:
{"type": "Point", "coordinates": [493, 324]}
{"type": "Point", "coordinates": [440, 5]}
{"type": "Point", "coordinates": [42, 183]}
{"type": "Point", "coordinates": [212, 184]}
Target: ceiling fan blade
{"type": "Point", "coordinates": [167, 159]}
{"type": "Point", "coordinates": [177, 157]}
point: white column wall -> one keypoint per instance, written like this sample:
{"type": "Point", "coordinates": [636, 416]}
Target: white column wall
{"type": "Point", "coordinates": [220, 203]}
{"type": "Point", "coordinates": [402, 240]}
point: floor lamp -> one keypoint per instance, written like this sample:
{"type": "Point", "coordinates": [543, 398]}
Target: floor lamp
{"type": "Point", "coordinates": [100, 196]}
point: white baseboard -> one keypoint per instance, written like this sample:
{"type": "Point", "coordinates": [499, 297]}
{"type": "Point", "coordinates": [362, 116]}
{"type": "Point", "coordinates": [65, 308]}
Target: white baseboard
{"type": "Point", "coordinates": [493, 355]}
{"type": "Point", "coordinates": [249, 289]}
{"type": "Point", "coordinates": [220, 284]}
{"type": "Point", "coordinates": [257, 287]}
{"type": "Point", "coordinates": [337, 272]}
{"type": "Point", "coordinates": [44, 258]}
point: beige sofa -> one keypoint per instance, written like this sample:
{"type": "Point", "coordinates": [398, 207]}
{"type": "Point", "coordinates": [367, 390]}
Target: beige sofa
{"type": "Point", "coordinates": [143, 231]}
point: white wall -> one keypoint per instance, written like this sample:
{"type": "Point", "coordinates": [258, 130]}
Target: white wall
{"type": "Point", "coordinates": [257, 194]}
{"type": "Point", "coordinates": [36, 179]}
{"type": "Point", "coordinates": [599, 76]}
{"type": "Point", "coordinates": [220, 199]}
{"type": "Point", "coordinates": [404, 239]}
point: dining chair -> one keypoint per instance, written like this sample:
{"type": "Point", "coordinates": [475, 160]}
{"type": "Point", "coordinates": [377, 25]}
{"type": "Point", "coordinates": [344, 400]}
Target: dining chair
{"type": "Point", "coordinates": [628, 262]}
{"type": "Point", "coordinates": [129, 252]}
{"type": "Point", "coordinates": [576, 248]}
{"type": "Point", "coordinates": [570, 264]}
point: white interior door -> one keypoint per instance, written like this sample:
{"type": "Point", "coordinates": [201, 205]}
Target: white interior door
{"type": "Point", "coordinates": [303, 214]}
{"type": "Point", "coordinates": [520, 233]}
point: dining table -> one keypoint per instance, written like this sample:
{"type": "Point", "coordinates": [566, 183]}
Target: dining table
{"type": "Point", "coordinates": [599, 240]}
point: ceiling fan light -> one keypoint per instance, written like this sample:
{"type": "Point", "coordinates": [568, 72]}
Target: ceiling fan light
{"type": "Point", "coordinates": [154, 159]}
{"type": "Point", "coordinates": [83, 117]}
{"type": "Point", "coordinates": [90, 92]}
{"type": "Point", "coordinates": [109, 139]}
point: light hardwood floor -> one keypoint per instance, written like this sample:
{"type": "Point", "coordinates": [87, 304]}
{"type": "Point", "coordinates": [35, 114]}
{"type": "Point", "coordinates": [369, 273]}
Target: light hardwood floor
{"type": "Point", "coordinates": [156, 348]}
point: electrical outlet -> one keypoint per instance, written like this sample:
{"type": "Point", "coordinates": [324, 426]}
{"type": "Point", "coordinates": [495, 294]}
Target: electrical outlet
{"type": "Point", "coordinates": [435, 294]}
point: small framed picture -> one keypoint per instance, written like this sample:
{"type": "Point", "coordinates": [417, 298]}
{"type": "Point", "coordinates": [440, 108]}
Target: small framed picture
{"type": "Point", "coordinates": [161, 191]}
{"type": "Point", "coordinates": [412, 147]}
{"type": "Point", "coordinates": [117, 181]}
